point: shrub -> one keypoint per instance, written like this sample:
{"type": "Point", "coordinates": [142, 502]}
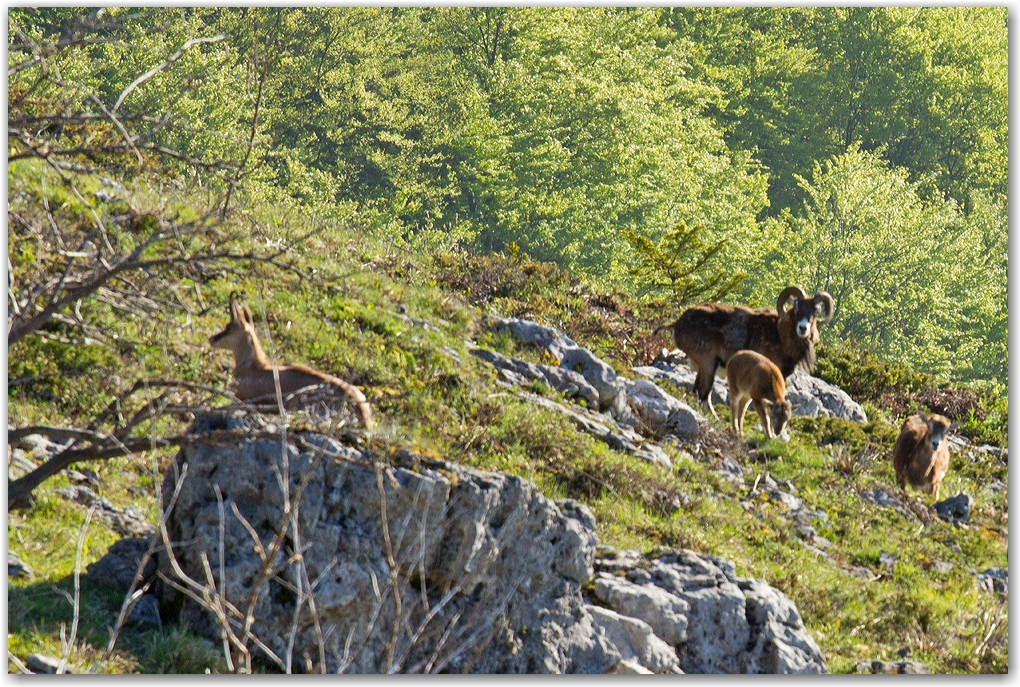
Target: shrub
{"type": "Point", "coordinates": [864, 376]}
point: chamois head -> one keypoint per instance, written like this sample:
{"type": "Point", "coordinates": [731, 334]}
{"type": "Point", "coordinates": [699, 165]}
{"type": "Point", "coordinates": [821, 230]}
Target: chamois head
{"type": "Point", "coordinates": [239, 332]}
{"type": "Point", "coordinates": [938, 428]}
{"type": "Point", "coordinates": [804, 311]}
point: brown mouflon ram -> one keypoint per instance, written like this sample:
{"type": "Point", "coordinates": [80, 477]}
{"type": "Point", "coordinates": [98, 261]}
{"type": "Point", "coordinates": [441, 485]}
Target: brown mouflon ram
{"type": "Point", "coordinates": [253, 371]}
{"type": "Point", "coordinates": [710, 333]}
{"type": "Point", "coordinates": [753, 378]}
{"type": "Point", "coordinates": [921, 454]}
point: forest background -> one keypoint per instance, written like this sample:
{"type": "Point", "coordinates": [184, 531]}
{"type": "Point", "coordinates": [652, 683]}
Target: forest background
{"type": "Point", "coordinates": [859, 150]}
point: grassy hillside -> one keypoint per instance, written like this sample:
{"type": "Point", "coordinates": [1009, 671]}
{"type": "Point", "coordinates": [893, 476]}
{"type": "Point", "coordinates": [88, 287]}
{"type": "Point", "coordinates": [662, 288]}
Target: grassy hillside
{"type": "Point", "coordinates": [354, 305]}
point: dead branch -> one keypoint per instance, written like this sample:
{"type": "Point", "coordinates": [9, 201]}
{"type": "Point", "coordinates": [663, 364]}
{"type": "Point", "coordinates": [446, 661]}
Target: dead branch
{"type": "Point", "coordinates": [77, 592]}
{"type": "Point", "coordinates": [236, 620]}
{"type": "Point", "coordinates": [24, 485]}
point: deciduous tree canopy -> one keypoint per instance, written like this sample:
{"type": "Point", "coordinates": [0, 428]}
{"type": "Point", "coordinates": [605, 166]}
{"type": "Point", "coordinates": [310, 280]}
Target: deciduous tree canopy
{"type": "Point", "coordinates": [860, 150]}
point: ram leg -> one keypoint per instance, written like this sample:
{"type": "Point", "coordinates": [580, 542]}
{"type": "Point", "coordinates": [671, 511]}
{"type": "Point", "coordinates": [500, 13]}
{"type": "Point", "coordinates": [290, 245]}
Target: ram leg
{"type": "Point", "coordinates": [703, 384]}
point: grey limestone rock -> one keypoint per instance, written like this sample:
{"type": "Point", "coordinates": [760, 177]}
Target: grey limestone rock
{"type": "Point", "coordinates": [809, 395]}
{"type": "Point", "coordinates": [994, 580]}
{"type": "Point", "coordinates": [490, 572]}
{"type": "Point", "coordinates": [529, 331]}
{"type": "Point", "coordinates": [39, 446]}
{"type": "Point", "coordinates": [599, 374]}
{"type": "Point", "coordinates": [17, 568]}
{"type": "Point", "coordinates": [891, 667]}
{"type": "Point", "coordinates": [18, 463]}
{"type": "Point", "coordinates": [78, 494]}
{"type": "Point", "coordinates": [630, 667]}
{"type": "Point", "coordinates": [955, 507]}
{"type": "Point", "coordinates": [42, 664]}
{"type": "Point", "coordinates": [629, 403]}
{"type": "Point", "coordinates": [884, 498]}
{"type": "Point", "coordinates": [788, 500]}
{"type": "Point", "coordinates": [126, 521]}
{"type": "Point", "coordinates": [734, 625]}
{"type": "Point", "coordinates": [603, 427]}
{"type": "Point", "coordinates": [568, 382]}
{"type": "Point", "coordinates": [635, 639]}
{"type": "Point", "coordinates": [117, 567]}
{"type": "Point", "coordinates": [612, 392]}
{"type": "Point", "coordinates": [146, 611]}
{"type": "Point", "coordinates": [683, 376]}
{"type": "Point", "coordinates": [999, 453]}
{"type": "Point", "coordinates": [819, 398]}
{"type": "Point", "coordinates": [664, 612]}
{"type": "Point", "coordinates": [500, 565]}
{"type": "Point", "coordinates": [662, 413]}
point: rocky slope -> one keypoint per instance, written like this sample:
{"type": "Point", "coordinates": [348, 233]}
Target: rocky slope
{"type": "Point", "coordinates": [425, 565]}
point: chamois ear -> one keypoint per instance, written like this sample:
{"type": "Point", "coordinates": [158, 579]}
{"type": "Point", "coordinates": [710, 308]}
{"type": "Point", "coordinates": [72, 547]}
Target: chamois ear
{"type": "Point", "coordinates": [235, 311]}
{"type": "Point", "coordinates": [924, 418]}
{"type": "Point", "coordinates": [249, 318]}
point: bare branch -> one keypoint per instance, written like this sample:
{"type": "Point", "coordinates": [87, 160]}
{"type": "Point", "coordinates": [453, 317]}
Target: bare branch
{"type": "Point", "coordinates": [116, 122]}
{"type": "Point", "coordinates": [77, 591]}
{"type": "Point", "coordinates": [24, 485]}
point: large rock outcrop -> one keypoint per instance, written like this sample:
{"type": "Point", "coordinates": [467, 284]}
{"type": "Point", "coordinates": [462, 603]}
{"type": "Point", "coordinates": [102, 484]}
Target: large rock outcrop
{"type": "Point", "coordinates": [490, 574]}
{"type": "Point", "coordinates": [489, 570]}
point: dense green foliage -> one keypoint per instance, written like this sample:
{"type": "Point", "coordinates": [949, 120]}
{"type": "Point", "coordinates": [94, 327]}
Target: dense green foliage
{"type": "Point", "coordinates": [874, 137]}
{"type": "Point", "coordinates": [915, 281]}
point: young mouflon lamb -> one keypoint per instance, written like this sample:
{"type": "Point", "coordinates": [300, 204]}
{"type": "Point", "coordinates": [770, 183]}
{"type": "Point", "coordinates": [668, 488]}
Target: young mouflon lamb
{"type": "Point", "coordinates": [753, 378]}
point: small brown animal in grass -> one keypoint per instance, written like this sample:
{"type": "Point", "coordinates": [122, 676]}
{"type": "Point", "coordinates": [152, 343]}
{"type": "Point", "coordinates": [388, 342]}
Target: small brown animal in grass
{"type": "Point", "coordinates": [253, 371]}
{"type": "Point", "coordinates": [921, 454]}
{"type": "Point", "coordinates": [753, 378]}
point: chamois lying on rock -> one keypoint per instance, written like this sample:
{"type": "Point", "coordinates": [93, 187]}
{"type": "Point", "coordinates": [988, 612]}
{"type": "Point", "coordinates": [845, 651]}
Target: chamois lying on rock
{"type": "Point", "coordinates": [710, 333]}
{"type": "Point", "coordinates": [253, 371]}
{"type": "Point", "coordinates": [753, 378]}
{"type": "Point", "coordinates": [921, 454]}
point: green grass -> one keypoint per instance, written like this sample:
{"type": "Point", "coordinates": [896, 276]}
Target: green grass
{"type": "Point", "coordinates": [347, 321]}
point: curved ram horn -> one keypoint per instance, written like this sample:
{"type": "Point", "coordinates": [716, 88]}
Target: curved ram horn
{"type": "Point", "coordinates": [785, 296]}
{"type": "Point", "coordinates": [823, 298]}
